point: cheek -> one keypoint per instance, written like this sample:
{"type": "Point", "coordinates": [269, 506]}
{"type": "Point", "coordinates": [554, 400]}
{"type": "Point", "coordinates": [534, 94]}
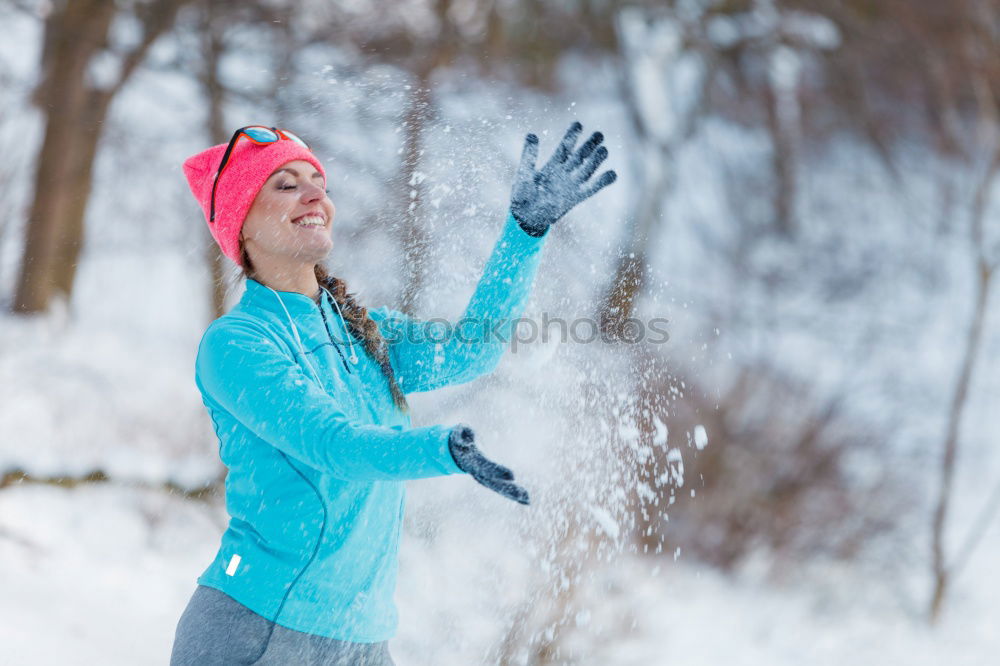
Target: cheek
{"type": "Point", "coordinates": [277, 209]}
{"type": "Point", "coordinates": [268, 220]}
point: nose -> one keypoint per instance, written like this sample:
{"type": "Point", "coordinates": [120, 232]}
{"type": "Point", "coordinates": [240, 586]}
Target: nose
{"type": "Point", "coordinates": [312, 191]}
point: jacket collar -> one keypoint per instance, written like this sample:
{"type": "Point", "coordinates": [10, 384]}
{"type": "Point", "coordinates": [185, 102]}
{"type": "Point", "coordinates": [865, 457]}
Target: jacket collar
{"type": "Point", "coordinates": [302, 309]}
{"type": "Point", "coordinates": [262, 296]}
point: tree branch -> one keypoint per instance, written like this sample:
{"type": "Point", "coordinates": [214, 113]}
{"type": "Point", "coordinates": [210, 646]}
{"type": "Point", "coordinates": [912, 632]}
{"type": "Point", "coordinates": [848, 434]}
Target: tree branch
{"type": "Point", "coordinates": [157, 19]}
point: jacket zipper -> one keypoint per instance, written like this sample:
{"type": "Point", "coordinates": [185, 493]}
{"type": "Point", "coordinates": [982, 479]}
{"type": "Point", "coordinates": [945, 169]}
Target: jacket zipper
{"type": "Point", "coordinates": [334, 342]}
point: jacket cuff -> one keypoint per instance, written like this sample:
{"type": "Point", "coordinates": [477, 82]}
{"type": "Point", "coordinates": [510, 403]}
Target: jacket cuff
{"type": "Point", "coordinates": [444, 443]}
{"type": "Point", "coordinates": [514, 233]}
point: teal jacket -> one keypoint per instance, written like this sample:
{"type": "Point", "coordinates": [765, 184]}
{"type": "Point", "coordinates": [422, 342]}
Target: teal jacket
{"type": "Point", "coordinates": [315, 487]}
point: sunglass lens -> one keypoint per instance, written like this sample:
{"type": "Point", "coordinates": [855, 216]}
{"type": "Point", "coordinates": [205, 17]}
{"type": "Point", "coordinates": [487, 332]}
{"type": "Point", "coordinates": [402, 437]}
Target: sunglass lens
{"type": "Point", "coordinates": [296, 139]}
{"type": "Point", "coordinates": [262, 134]}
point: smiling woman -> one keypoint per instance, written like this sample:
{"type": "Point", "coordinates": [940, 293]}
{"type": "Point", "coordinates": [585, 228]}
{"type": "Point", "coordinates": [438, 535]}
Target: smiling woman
{"type": "Point", "coordinates": [317, 435]}
{"type": "Point", "coordinates": [288, 229]}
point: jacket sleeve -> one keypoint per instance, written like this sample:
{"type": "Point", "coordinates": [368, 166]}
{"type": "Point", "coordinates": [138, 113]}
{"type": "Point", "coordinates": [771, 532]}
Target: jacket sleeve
{"type": "Point", "coordinates": [426, 355]}
{"type": "Point", "coordinates": [241, 369]}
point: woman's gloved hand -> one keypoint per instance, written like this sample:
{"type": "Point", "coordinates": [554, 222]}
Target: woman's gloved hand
{"type": "Point", "coordinates": [539, 198]}
{"type": "Point", "coordinates": [492, 475]}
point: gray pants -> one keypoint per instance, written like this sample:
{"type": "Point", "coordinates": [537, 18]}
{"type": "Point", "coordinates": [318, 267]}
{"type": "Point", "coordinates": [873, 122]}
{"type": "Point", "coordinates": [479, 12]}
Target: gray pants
{"type": "Point", "coordinates": [217, 630]}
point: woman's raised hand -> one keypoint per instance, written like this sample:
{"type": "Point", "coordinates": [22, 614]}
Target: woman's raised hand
{"type": "Point", "coordinates": [539, 198]}
{"type": "Point", "coordinates": [470, 459]}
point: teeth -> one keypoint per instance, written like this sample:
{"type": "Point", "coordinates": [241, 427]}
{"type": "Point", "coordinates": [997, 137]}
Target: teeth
{"type": "Point", "coordinates": [311, 221]}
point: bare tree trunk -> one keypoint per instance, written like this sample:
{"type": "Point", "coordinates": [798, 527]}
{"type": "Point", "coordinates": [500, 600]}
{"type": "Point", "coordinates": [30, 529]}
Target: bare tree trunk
{"type": "Point", "coordinates": [284, 68]}
{"type": "Point", "coordinates": [782, 164]}
{"type": "Point", "coordinates": [75, 32]}
{"type": "Point", "coordinates": [431, 57]}
{"type": "Point", "coordinates": [630, 273]}
{"type": "Point", "coordinates": [212, 49]}
{"type": "Point", "coordinates": [654, 153]}
{"type": "Point", "coordinates": [80, 154]}
{"type": "Point", "coordinates": [413, 237]}
{"type": "Point", "coordinates": [653, 165]}
{"type": "Point", "coordinates": [984, 273]}
{"type": "Point", "coordinates": [782, 110]}
{"type": "Point", "coordinates": [940, 563]}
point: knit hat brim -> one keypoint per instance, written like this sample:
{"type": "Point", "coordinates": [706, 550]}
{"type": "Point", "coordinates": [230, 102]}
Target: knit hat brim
{"type": "Point", "coordinates": [249, 167]}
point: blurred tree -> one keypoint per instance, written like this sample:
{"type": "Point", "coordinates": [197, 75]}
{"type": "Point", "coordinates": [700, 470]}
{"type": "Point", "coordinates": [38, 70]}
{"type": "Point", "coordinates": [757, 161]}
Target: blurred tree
{"type": "Point", "coordinates": [922, 71]}
{"type": "Point", "coordinates": [665, 68]}
{"type": "Point", "coordinates": [679, 62]}
{"type": "Point", "coordinates": [964, 88]}
{"type": "Point", "coordinates": [521, 40]}
{"type": "Point", "coordinates": [8, 205]}
{"type": "Point", "coordinates": [213, 48]}
{"type": "Point", "coordinates": [897, 74]}
{"type": "Point", "coordinates": [84, 64]}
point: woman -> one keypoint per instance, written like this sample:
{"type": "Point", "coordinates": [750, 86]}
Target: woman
{"type": "Point", "coordinates": [306, 390]}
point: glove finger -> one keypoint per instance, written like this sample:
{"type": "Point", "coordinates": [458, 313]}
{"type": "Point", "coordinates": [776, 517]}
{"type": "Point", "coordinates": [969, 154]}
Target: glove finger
{"type": "Point", "coordinates": [483, 466]}
{"type": "Point", "coordinates": [497, 470]}
{"type": "Point", "coordinates": [606, 179]}
{"type": "Point", "coordinates": [591, 165]}
{"type": "Point", "coordinates": [506, 488]}
{"type": "Point", "coordinates": [569, 140]}
{"type": "Point", "coordinates": [529, 155]}
{"type": "Point", "coordinates": [479, 465]}
{"type": "Point", "coordinates": [585, 150]}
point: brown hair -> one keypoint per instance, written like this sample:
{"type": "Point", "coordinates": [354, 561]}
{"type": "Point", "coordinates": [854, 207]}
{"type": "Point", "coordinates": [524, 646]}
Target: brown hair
{"type": "Point", "coordinates": [362, 327]}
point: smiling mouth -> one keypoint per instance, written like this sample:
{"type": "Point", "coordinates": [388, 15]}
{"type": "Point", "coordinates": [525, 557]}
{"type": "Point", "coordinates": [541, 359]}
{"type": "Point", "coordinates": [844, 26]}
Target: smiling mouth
{"type": "Point", "coordinates": [310, 221]}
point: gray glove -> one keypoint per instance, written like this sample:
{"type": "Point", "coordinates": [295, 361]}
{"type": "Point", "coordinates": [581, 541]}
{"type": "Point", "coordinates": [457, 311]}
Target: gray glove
{"type": "Point", "coordinates": [469, 459]}
{"type": "Point", "coordinates": [539, 198]}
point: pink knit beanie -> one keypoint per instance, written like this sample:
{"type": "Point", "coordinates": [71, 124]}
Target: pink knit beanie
{"type": "Point", "coordinates": [249, 167]}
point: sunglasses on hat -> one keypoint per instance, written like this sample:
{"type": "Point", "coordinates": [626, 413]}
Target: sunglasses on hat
{"type": "Point", "coordinates": [258, 134]}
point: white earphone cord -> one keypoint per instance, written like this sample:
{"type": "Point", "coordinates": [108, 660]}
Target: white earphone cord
{"type": "Point", "coordinates": [295, 332]}
{"type": "Point", "coordinates": [350, 341]}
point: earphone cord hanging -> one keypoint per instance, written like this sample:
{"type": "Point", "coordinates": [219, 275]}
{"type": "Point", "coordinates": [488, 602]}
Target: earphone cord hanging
{"type": "Point", "coordinates": [354, 357]}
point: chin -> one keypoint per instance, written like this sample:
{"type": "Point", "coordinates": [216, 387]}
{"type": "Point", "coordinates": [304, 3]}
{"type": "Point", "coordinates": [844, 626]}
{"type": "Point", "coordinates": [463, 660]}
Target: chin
{"type": "Point", "coordinates": [313, 254]}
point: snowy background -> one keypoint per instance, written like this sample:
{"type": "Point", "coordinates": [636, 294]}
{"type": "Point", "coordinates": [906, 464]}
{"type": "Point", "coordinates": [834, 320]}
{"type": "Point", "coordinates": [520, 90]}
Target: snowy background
{"type": "Point", "coordinates": [747, 543]}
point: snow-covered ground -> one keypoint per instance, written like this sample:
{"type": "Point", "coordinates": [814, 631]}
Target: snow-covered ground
{"type": "Point", "coordinates": [100, 574]}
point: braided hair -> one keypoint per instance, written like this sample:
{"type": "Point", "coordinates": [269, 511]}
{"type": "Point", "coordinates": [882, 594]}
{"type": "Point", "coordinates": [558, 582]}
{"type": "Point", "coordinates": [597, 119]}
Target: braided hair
{"type": "Point", "coordinates": [361, 326]}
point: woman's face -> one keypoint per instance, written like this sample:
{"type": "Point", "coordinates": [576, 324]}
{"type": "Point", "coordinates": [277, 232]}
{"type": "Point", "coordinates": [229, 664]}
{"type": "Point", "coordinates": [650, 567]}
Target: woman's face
{"type": "Point", "coordinates": [290, 220]}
